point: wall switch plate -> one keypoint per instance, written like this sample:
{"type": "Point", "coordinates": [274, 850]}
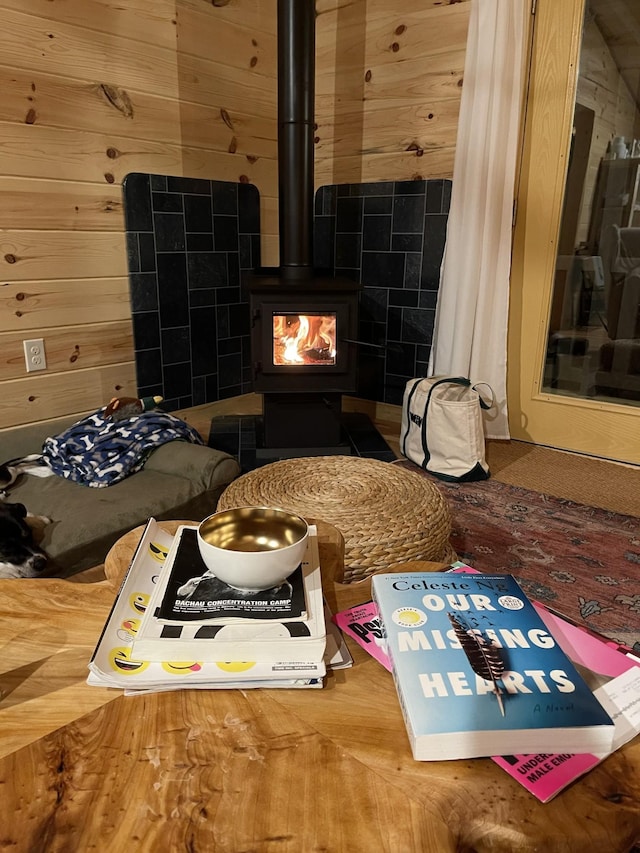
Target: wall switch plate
{"type": "Point", "coordinates": [34, 356]}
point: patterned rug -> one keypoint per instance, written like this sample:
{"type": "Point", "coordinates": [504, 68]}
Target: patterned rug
{"type": "Point", "coordinates": [579, 560]}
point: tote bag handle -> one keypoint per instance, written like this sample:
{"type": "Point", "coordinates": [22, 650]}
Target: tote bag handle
{"type": "Point", "coordinates": [492, 397]}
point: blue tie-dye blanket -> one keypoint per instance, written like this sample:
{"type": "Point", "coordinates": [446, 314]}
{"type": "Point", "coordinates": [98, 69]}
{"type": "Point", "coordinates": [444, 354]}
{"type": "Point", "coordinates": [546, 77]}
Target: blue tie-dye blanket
{"type": "Point", "coordinates": [98, 452]}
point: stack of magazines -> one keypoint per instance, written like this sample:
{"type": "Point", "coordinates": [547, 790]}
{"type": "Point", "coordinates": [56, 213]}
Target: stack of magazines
{"type": "Point", "coordinates": [173, 625]}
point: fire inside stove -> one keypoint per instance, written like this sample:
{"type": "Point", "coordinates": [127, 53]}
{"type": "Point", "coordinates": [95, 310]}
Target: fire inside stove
{"type": "Point", "coordinates": [304, 338]}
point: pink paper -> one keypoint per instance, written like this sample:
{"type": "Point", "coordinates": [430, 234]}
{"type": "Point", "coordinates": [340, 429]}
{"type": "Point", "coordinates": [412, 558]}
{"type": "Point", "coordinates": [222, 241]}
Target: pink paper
{"type": "Point", "coordinates": [363, 625]}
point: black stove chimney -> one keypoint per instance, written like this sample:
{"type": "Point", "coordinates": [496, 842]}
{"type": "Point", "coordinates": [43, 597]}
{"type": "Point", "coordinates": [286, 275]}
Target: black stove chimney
{"type": "Point", "coordinates": [296, 97]}
{"type": "Point", "coordinates": [301, 397]}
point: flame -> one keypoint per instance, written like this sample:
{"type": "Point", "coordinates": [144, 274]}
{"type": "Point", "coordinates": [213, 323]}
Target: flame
{"type": "Point", "coordinates": [304, 339]}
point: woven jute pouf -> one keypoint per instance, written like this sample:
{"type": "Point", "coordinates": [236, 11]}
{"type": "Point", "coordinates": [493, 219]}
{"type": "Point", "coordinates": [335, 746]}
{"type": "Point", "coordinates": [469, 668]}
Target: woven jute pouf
{"type": "Point", "coordinates": [385, 513]}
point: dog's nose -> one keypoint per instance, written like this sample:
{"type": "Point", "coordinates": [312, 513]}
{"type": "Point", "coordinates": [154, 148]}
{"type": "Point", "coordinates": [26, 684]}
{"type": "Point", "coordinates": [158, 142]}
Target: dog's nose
{"type": "Point", "coordinates": [38, 562]}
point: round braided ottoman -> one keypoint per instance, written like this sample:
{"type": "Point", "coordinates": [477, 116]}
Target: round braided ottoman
{"type": "Point", "coordinates": [385, 513]}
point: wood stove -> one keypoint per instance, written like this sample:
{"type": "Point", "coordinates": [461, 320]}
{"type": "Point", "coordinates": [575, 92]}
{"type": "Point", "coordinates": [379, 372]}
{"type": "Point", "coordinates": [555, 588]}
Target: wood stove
{"type": "Point", "coordinates": [304, 323]}
{"type": "Point", "coordinates": [303, 350]}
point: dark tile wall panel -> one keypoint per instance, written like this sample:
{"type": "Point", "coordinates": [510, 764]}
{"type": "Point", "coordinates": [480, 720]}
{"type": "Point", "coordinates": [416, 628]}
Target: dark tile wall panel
{"type": "Point", "coordinates": [188, 241]}
{"type": "Point", "coordinates": [390, 237]}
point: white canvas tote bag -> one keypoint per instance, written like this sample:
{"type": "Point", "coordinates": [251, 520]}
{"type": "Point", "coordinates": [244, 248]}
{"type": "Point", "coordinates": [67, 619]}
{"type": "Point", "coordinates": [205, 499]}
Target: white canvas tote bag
{"type": "Point", "coordinates": [442, 429]}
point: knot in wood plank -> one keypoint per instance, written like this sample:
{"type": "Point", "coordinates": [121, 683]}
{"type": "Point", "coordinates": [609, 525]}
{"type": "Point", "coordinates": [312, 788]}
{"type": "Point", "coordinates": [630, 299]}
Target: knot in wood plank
{"type": "Point", "coordinates": [118, 98]}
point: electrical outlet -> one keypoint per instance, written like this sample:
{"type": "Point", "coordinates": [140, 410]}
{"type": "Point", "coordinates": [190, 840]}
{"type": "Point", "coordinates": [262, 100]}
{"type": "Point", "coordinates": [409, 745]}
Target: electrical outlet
{"type": "Point", "coordinates": [34, 357]}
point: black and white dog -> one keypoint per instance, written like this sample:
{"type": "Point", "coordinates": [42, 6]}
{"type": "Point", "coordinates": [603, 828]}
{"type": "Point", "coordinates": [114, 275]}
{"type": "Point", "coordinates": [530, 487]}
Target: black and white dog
{"type": "Point", "coordinates": [20, 555]}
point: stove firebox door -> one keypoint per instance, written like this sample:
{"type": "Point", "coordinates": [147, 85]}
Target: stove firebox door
{"type": "Point", "coordinates": [304, 346]}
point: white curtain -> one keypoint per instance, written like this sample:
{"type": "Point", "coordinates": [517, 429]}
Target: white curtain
{"type": "Point", "coordinates": [470, 336]}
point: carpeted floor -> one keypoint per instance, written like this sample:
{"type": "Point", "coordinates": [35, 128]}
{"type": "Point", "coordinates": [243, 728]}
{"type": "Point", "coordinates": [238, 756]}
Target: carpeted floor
{"type": "Point", "coordinates": [579, 559]}
{"type": "Point", "coordinates": [585, 479]}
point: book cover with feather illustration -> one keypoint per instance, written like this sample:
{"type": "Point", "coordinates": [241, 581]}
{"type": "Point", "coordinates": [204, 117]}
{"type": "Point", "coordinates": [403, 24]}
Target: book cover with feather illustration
{"type": "Point", "coordinates": [478, 673]}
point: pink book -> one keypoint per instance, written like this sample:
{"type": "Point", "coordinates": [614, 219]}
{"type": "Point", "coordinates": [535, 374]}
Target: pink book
{"type": "Point", "coordinates": [618, 677]}
{"type": "Point", "coordinates": [363, 625]}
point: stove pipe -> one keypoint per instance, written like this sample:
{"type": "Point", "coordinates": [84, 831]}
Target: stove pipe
{"type": "Point", "coordinates": [296, 95]}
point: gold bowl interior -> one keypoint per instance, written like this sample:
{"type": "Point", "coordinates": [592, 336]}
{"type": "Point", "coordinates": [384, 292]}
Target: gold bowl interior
{"type": "Point", "coordinates": [253, 529]}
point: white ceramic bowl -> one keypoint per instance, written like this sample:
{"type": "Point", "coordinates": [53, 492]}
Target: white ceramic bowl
{"type": "Point", "coordinates": [252, 547]}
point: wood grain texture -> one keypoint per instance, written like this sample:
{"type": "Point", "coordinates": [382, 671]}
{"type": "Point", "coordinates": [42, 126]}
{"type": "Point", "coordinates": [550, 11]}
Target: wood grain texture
{"type": "Point", "coordinates": [28, 204]}
{"type": "Point", "coordinates": [412, 165]}
{"type": "Point", "coordinates": [26, 255]}
{"type": "Point", "coordinates": [69, 347]}
{"type": "Point", "coordinates": [430, 124]}
{"type": "Point", "coordinates": [230, 770]}
{"type": "Point", "coordinates": [381, 75]}
{"type": "Point", "coordinates": [92, 93]}
{"type": "Point", "coordinates": [35, 304]}
{"type": "Point", "coordinates": [153, 24]}
{"type": "Point", "coordinates": [97, 158]}
{"type": "Point", "coordinates": [70, 51]}
{"type": "Point", "coordinates": [95, 91]}
{"type": "Point", "coordinates": [49, 101]}
{"type": "Point", "coordinates": [392, 34]}
{"type": "Point", "coordinates": [49, 395]}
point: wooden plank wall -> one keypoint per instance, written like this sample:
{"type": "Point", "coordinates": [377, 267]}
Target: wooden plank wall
{"type": "Point", "coordinates": [388, 84]}
{"type": "Point", "coordinates": [96, 89]}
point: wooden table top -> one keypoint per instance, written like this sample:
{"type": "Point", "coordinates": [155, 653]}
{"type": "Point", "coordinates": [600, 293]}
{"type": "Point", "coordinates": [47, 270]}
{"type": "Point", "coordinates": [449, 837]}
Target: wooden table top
{"type": "Point", "coordinates": [86, 768]}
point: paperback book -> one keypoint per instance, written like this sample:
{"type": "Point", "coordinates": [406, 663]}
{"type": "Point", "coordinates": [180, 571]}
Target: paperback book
{"type": "Point", "coordinates": [611, 670]}
{"type": "Point", "coordinates": [187, 592]}
{"type": "Point", "coordinates": [115, 664]}
{"type": "Point", "coordinates": [267, 640]}
{"type": "Point", "coordinates": [478, 673]}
